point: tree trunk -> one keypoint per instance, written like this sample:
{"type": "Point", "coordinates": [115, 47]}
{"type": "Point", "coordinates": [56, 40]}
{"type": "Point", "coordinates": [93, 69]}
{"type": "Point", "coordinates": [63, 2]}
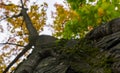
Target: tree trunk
{"type": "Point", "coordinates": [51, 55]}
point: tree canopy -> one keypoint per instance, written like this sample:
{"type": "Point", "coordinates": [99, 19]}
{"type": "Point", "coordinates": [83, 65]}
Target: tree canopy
{"type": "Point", "coordinates": [75, 21]}
{"type": "Point", "coordinates": [84, 15]}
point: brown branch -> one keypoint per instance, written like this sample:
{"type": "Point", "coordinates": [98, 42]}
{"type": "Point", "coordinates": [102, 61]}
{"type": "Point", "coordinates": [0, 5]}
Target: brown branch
{"type": "Point", "coordinates": [14, 16]}
{"type": "Point", "coordinates": [32, 35]}
{"type": "Point", "coordinates": [2, 4]}
{"type": "Point", "coordinates": [27, 47]}
{"type": "Point", "coordinates": [13, 44]}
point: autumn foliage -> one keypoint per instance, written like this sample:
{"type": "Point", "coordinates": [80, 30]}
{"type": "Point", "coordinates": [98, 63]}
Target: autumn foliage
{"type": "Point", "coordinates": [19, 37]}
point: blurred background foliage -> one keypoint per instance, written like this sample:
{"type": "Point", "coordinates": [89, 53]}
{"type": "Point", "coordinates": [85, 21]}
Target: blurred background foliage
{"type": "Point", "coordinates": [83, 15]}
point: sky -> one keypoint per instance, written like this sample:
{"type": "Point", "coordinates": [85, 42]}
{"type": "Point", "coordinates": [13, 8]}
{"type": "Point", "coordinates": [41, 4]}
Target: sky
{"type": "Point", "coordinates": [50, 8]}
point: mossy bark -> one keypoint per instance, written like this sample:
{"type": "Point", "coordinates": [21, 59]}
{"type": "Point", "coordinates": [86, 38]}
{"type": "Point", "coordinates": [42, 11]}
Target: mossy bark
{"type": "Point", "coordinates": [100, 55]}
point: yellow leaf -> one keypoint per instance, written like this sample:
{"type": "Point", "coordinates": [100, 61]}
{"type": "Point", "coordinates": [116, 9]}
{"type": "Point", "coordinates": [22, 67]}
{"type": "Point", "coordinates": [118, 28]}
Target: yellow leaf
{"type": "Point", "coordinates": [100, 12]}
{"type": "Point", "coordinates": [20, 33]}
{"type": "Point", "coordinates": [26, 39]}
{"type": "Point", "coordinates": [20, 42]}
{"type": "Point", "coordinates": [99, 20]}
{"type": "Point", "coordinates": [12, 68]}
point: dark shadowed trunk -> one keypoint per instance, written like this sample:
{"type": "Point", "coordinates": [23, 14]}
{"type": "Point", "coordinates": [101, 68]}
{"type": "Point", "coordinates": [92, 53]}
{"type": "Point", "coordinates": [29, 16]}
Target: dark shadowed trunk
{"type": "Point", "coordinates": [74, 56]}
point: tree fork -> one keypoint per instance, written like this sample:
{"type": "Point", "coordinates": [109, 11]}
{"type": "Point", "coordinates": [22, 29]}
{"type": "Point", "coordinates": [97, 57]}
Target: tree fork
{"type": "Point", "coordinates": [31, 29]}
{"type": "Point", "coordinates": [32, 35]}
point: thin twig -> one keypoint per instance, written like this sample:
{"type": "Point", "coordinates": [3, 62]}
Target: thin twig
{"type": "Point", "coordinates": [13, 44]}
{"type": "Point", "coordinates": [14, 16]}
{"type": "Point", "coordinates": [9, 5]}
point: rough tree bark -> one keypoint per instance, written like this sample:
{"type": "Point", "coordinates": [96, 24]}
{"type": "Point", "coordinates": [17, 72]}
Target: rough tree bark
{"type": "Point", "coordinates": [49, 58]}
{"type": "Point", "coordinates": [108, 54]}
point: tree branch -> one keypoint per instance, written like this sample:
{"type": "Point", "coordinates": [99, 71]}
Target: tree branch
{"type": "Point", "coordinates": [27, 47]}
{"type": "Point", "coordinates": [14, 16]}
{"type": "Point", "coordinates": [13, 44]}
{"type": "Point", "coordinates": [33, 35]}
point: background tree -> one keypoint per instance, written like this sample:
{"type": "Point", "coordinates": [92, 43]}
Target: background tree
{"type": "Point", "coordinates": [38, 17]}
{"type": "Point", "coordinates": [83, 15]}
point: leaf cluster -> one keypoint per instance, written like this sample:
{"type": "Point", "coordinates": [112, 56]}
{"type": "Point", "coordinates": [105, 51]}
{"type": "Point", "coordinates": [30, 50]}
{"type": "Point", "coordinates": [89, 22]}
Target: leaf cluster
{"type": "Point", "coordinates": [87, 16]}
{"type": "Point", "coordinates": [37, 14]}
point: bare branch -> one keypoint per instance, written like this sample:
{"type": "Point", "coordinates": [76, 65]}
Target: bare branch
{"type": "Point", "coordinates": [14, 16]}
{"type": "Point", "coordinates": [13, 44]}
{"type": "Point", "coordinates": [22, 3]}
{"type": "Point", "coordinates": [2, 4]}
